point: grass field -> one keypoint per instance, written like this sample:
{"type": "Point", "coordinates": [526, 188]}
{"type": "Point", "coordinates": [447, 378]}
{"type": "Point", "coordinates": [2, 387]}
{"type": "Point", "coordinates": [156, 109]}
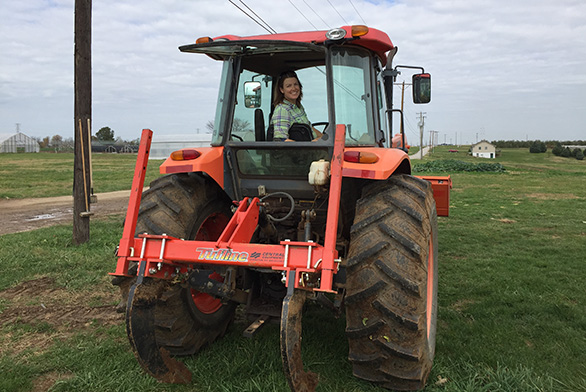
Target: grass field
{"type": "Point", "coordinates": [512, 314]}
{"type": "Point", "coordinates": [52, 174]}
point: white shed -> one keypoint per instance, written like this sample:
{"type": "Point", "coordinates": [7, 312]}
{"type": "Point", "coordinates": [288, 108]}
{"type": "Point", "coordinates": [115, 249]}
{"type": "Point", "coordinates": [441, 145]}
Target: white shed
{"type": "Point", "coordinates": [483, 149]}
{"type": "Point", "coordinates": [18, 142]}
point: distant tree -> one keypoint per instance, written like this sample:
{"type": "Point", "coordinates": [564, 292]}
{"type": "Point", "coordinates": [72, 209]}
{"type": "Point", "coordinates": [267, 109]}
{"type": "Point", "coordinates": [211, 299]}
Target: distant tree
{"type": "Point", "coordinates": [56, 140]}
{"type": "Point", "coordinates": [537, 147]}
{"type": "Point", "coordinates": [579, 154]}
{"type": "Point", "coordinates": [534, 148]}
{"type": "Point", "coordinates": [239, 125]}
{"type": "Point", "coordinates": [557, 149]}
{"type": "Point", "coordinates": [105, 134]}
{"type": "Point", "coordinates": [45, 142]}
{"type": "Point", "coordinates": [67, 144]}
{"type": "Point", "coordinates": [566, 153]}
{"type": "Point", "coordinates": [210, 126]}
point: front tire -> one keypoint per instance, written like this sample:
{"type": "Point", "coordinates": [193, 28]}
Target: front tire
{"type": "Point", "coordinates": [391, 301]}
{"type": "Point", "coordinates": [187, 206]}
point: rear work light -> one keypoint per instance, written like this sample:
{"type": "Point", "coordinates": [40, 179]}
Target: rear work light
{"type": "Point", "coordinates": [360, 157]}
{"type": "Point", "coordinates": [185, 155]}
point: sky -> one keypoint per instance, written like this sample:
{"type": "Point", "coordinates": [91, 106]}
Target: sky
{"type": "Point", "coordinates": [501, 69]}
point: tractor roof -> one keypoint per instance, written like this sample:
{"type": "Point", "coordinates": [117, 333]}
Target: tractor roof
{"type": "Point", "coordinates": [228, 45]}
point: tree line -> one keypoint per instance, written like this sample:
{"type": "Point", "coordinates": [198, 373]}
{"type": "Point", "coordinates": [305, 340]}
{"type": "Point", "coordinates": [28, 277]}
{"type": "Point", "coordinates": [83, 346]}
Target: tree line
{"type": "Point", "coordinates": [568, 152]}
{"type": "Point", "coordinates": [104, 135]}
{"type": "Point", "coordinates": [559, 149]}
{"type": "Point", "coordinates": [550, 144]}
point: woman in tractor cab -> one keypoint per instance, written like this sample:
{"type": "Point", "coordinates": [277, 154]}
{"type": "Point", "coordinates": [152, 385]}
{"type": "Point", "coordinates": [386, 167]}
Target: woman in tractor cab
{"type": "Point", "coordinates": [289, 120]}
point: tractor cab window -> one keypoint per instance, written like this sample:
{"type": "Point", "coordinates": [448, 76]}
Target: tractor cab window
{"type": "Point", "coordinates": [353, 95]}
{"type": "Point", "coordinates": [254, 102]}
{"type": "Point", "coordinates": [253, 105]}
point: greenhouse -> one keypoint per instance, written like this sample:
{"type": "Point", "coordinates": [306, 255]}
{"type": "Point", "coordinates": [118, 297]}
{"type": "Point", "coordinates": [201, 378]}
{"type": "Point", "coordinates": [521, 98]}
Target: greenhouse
{"type": "Point", "coordinates": [18, 142]}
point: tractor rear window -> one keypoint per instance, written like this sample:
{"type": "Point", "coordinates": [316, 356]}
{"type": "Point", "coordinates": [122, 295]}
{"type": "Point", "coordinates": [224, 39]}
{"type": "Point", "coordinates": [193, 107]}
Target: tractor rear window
{"type": "Point", "coordinates": [282, 162]}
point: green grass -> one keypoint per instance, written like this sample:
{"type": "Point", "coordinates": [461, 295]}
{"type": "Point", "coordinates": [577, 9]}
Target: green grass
{"type": "Point", "coordinates": [52, 174]}
{"type": "Point", "coordinates": [511, 299]}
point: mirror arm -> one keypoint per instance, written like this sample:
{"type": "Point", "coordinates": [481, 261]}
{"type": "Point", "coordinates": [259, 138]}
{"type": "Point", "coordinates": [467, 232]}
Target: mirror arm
{"type": "Point", "coordinates": [410, 67]}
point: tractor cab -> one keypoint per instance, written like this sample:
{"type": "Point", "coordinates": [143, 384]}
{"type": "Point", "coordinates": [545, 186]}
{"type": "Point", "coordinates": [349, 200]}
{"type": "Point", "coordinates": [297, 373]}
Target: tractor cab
{"type": "Point", "coordinates": [342, 73]}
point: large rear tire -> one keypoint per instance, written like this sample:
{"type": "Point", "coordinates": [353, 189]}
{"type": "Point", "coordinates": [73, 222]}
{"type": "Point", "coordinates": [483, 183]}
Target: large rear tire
{"type": "Point", "coordinates": [391, 301]}
{"type": "Point", "coordinates": [187, 206]}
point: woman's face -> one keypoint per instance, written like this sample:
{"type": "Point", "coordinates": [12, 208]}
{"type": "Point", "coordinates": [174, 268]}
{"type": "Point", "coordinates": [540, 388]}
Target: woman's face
{"type": "Point", "coordinates": [291, 89]}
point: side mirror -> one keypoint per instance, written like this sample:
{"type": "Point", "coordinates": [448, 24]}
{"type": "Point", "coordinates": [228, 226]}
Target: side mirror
{"type": "Point", "coordinates": [422, 88]}
{"type": "Point", "coordinates": [252, 94]}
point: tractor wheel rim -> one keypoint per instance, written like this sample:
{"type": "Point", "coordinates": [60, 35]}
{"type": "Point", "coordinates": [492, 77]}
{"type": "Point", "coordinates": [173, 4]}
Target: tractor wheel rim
{"type": "Point", "coordinates": [209, 230]}
{"type": "Point", "coordinates": [205, 303]}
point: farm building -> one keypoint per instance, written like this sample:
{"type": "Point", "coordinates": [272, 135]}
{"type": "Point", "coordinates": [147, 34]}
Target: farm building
{"type": "Point", "coordinates": [18, 142]}
{"type": "Point", "coordinates": [483, 149]}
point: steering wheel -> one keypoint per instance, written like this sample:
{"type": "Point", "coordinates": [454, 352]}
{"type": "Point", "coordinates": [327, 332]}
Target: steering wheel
{"type": "Point", "coordinates": [319, 124]}
{"type": "Point", "coordinates": [325, 125]}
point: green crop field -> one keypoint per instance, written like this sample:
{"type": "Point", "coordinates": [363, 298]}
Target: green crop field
{"type": "Point", "coordinates": [512, 293]}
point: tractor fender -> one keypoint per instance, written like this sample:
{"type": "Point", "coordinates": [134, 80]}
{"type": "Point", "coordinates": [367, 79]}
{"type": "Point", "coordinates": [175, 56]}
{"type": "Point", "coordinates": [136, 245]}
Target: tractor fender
{"type": "Point", "coordinates": [390, 161]}
{"type": "Point", "coordinates": [210, 161]}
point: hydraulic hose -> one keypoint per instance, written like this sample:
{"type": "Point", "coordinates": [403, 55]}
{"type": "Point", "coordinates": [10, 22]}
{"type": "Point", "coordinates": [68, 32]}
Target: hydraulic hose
{"type": "Point", "coordinates": [272, 218]}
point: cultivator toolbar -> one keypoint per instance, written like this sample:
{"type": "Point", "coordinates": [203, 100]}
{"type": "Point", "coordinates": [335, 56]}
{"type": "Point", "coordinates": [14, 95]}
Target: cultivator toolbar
{"type": "Point", "coordinates": [166, 257]}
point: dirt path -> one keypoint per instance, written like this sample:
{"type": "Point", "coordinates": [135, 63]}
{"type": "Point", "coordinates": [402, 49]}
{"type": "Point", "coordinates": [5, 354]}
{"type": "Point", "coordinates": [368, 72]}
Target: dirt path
{"type": "Point", "coordinates": [18, 215]}
{"type": "Point", "coordinates": [53, 313]}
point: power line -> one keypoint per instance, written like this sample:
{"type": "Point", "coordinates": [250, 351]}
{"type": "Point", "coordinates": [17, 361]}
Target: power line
{"type": "Point", "coordinates": [363, 21]}
{"type": "Point", "coordinates": [338, 13]}
{"type": "Point", "coordinates": [262, 20]}
{"type": "Point", "coordinates": [302, 14]}
{"type": "Point", "coordinates": [318, 15]}
{"type": "Point", "coordinates": [268, 29]}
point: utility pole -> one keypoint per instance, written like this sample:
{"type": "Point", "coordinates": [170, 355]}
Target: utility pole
{"type": "Point", "coordinates": [82, 120]}
{"type": "Point", "coordinates": [433, 139]}
{"type": "Point", "coordinates": [421, 124]}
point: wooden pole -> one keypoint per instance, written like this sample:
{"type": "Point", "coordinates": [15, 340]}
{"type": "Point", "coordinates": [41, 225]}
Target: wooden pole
{"type": "Point", "coordinates": [83, 115]}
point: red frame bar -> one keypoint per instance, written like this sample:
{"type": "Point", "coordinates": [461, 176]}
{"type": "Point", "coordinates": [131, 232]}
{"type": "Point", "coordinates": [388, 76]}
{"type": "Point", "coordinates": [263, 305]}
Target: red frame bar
{"type": "Point", "coordinates": [125, 248]}
{"type": "Point", "coordinates": [330, 252]}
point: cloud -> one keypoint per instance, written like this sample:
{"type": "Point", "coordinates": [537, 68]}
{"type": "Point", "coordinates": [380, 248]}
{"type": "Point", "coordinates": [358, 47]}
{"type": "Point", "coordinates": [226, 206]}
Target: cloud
{"type": "Point", "coordinates": [507, 69]}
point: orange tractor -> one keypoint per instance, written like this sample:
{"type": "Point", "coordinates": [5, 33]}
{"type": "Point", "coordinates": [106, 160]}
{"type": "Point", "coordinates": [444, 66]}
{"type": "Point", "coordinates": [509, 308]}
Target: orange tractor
{"type": "Point", "coordinates": [266, 224]}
